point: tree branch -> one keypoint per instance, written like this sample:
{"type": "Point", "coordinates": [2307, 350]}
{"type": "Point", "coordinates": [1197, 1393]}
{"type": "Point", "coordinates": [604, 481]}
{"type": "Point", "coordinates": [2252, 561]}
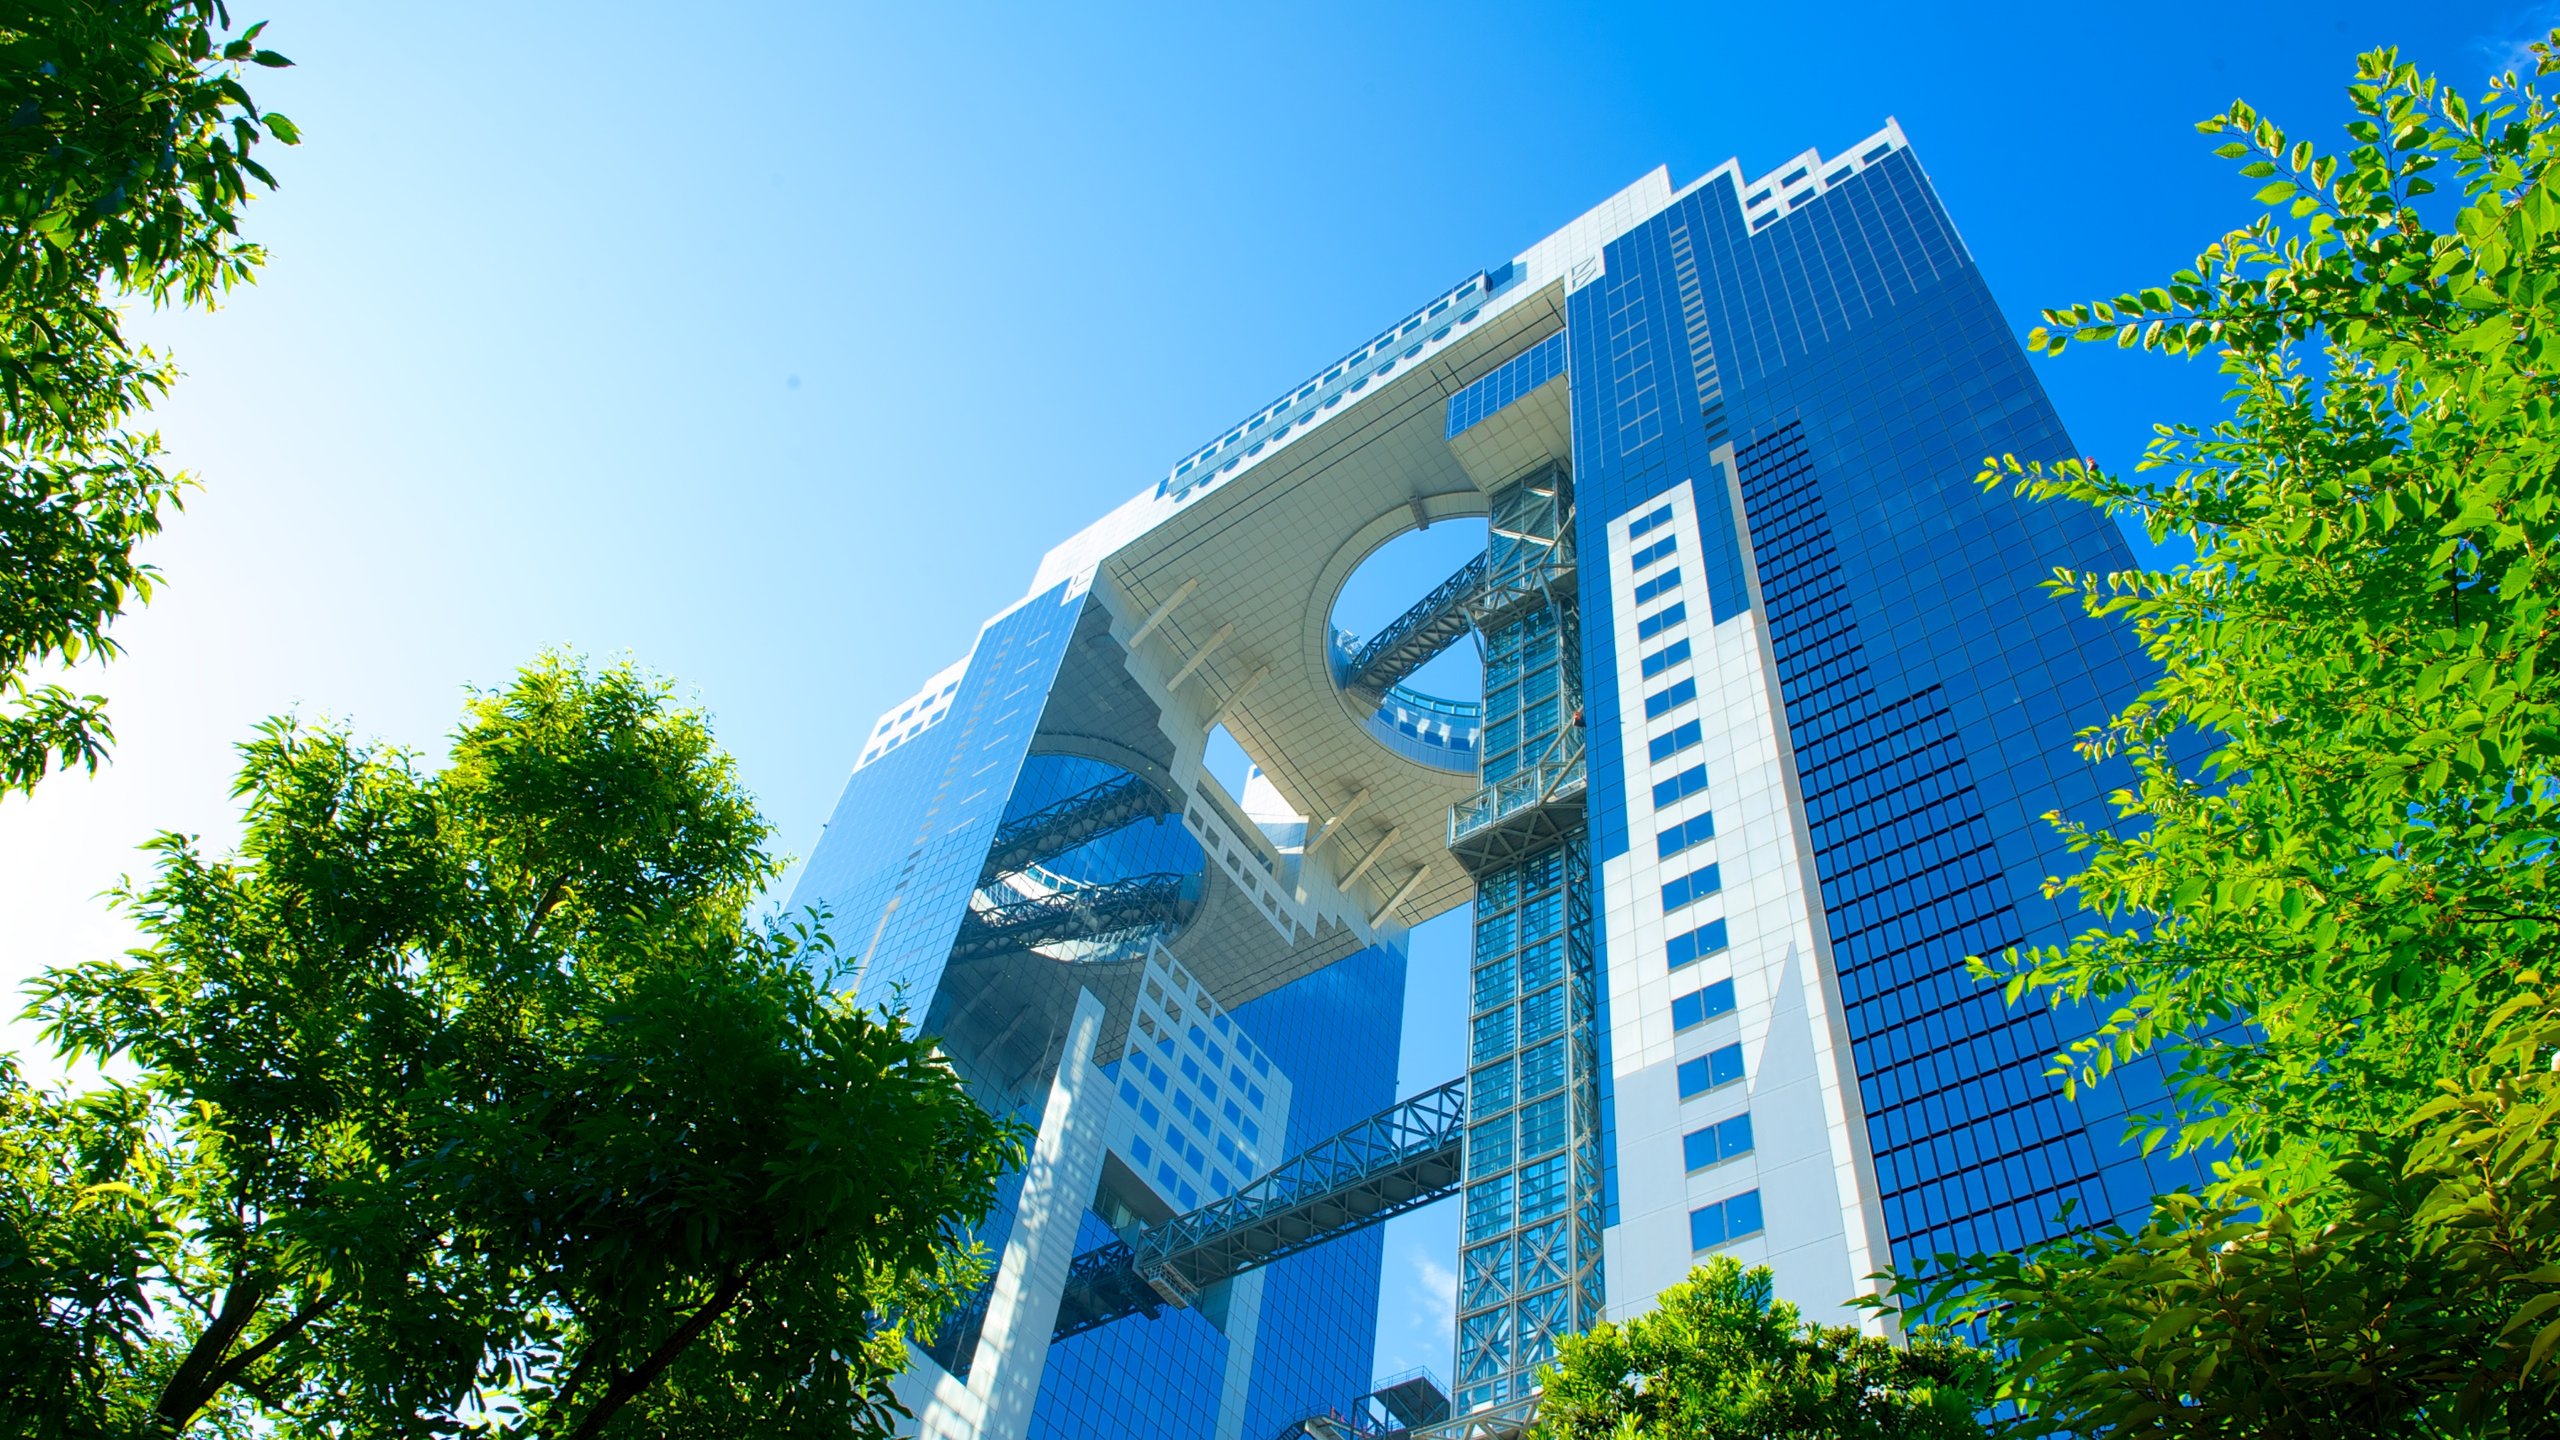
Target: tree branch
{"type": "Point", "coordinates": [542, 908]}
{"type": "Point", "coordinates": [194, 1384]}
{"type": "Point", "coordinates": [627, 1386]}
{"type": "Point", "coordinates": [239, 1364]}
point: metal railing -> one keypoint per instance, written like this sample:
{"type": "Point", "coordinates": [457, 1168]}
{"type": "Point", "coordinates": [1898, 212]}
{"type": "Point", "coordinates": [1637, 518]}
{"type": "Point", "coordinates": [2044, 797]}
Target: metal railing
{"type": "Point", "coordinates": [1507, 1421]}
{"type": "Point", "coordinates": [1540, 784]}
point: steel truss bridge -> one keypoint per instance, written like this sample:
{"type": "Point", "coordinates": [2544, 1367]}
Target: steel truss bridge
{"type": "Point", "coordinates": [1436, 622]}
{"type": "Point", "coordinates": [1087, 912]}
{"type": "Point", "coordinates": [1053, 830]}
{"type": "Point", "coordinates": [1405, 1156]}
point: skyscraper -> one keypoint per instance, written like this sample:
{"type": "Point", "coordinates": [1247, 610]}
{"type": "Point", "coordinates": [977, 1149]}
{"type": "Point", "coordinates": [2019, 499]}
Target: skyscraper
{"type": "Point", "coordinates": [1771, 706]}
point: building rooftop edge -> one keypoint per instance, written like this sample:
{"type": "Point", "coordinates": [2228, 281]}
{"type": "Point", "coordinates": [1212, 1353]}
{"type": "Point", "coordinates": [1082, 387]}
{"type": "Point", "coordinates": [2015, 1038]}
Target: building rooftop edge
{"type": "Point", "coordinates": [1571, 252]}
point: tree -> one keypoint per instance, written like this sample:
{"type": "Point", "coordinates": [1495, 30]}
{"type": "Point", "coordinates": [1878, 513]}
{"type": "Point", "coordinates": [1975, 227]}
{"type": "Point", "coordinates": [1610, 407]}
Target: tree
{"type": "Point", "coordinates": [1719, 1358]}
{"type": "Point", "coordinates": [127, 154]}
{"type": "Point", "coordinates": [2339, 921]}
{"type": "Point", "coordinates": [474, 1095]}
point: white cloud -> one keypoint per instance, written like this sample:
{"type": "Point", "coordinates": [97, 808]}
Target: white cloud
{"type": "Point", "coordinates": [2510, 47]}
{"type": "Point", "coordinates": [1417, 1324]}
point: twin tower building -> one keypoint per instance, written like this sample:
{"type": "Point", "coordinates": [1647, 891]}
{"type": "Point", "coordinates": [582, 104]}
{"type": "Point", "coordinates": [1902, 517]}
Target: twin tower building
{"type": "Point", "coordinates": [1772, 706]}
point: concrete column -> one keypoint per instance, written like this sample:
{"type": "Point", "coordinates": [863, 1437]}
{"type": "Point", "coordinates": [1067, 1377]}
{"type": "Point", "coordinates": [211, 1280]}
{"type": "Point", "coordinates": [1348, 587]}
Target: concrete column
{"type": "Point", "coordinates": [1057, 1187]}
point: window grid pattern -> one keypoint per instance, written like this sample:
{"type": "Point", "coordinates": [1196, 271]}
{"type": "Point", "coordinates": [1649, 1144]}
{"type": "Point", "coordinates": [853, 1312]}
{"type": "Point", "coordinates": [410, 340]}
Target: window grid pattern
{"type": "Point", "coordinates": [1335, 1034]}
{"type": "Point", "coordinates": [1524, 699]}
{"type": "Point", "coordinates": [1970, 1142]}
{"type": "Point", "coordinates": [1514, 378]}
{"type": "Point", "coordinates": [1531, 1215]}
{"type": "Point", "coordinates": [1639, 410]}
{"type": "Point", "coordinates": [1861, 318]}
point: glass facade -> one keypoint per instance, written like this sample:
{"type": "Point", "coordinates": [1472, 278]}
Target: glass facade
{"type": "Point", "coordinates": [901, 854]}
{"type": "Point", "coordinates": [900, 865]}
{"type": "Point", "coordinates": [1529, 1263]}
{"type": "Point", "coordinates": [1335, 1034]}
{"type": "Point", "coordinates": [1855, 360]}
{"type": "Point", "coordinates": [1773, 705]}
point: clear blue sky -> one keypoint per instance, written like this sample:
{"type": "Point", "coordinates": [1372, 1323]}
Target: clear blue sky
{"type": "Point", "coordinates": [773, 344]}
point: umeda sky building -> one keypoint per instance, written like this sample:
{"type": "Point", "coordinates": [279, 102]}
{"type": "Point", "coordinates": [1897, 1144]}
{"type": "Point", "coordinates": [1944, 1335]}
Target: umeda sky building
{"type": "Point", "coordinates": [1771, 706]}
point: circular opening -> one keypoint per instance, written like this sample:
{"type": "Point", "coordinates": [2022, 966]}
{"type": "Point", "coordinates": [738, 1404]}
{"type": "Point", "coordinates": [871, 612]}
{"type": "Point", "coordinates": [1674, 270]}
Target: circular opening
{"type": "Point", "coordinates": [1395, 578]}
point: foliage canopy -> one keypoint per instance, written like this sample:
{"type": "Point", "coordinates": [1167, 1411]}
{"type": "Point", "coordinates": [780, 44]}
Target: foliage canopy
{"type": "Point", "coordinates": [127, 152]}
{"type": "Point", "coordinates": [473, 1095]}
{"type": "Point", "coordinates": [1719, 1358]}
{"type": "Point", "coordinates": [2340, 920]}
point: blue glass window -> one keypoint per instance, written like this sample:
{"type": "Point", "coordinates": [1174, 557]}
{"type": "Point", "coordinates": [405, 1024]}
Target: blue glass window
{"type": "Point", "coordinates": [1667, 580]}
{"type": "Point", "coordinates": [1694, 831]}
{"type": "Point", "coordinates": [1691, 888]}
{"type": "Point", "coordinates": [1710, 1071]}
{"type": "Point", "coordinates": [1661, 620]}
{"type": "Point", "coordinates": [1678, 692]}
{"type": "Point", "coordinates": [1655, 551]}
{"type": "Point", "coordinates": [1659, 517]}
{"type": "Point", "coordinates": [1488, 1207]}
{"type": "Point", "coordinates": [1701, 1005]}
{"type": "Point", "coordinates": [1664, 658]}
{"type": "Point", "coordinates": [1542, 1069]}
{"type": "Point", "coordinates": [1542, 964]}
{"type": "Point", "coordinates": [1542, 1126]}
{"type": "Point", "coordinates": [1672, 741]}
{"type": "Point", "coordinates": [1696, 945]}
{"type": "Point", "coordinates": [1717, 1143]}
{"type": "Point", "coordinates": [1542, 1189]}
{"type": "Point", "coordinates": [1493, 1034]}
{"type": "Point", "coordinates": [1726, 1220]}
{"type": "Point", "coordinates": [1687, 782]}
{"type": "Point", "coordinates": [1541, 1015]}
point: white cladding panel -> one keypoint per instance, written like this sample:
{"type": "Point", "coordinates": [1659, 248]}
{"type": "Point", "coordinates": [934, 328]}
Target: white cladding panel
{"type": "Point", "coordinates": [1805, 1164]}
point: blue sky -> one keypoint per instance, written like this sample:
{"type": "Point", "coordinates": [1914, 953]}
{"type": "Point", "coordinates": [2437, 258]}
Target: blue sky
{"type": "Point", "coordinates": [773, 344]}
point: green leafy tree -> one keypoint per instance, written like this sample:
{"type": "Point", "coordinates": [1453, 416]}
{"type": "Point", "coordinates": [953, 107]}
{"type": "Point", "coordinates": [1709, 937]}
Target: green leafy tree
{"type": "Point", "coordinates": [85, 1229]}
{"type": "Point", "coordinates": [1719, 1358]}
{"type": "Point", "coordinates": [126, 138]}
{"type": "Point", "coordinates": [2340, 920]}
{"type": "Point", "coordinates": [474, 1096]}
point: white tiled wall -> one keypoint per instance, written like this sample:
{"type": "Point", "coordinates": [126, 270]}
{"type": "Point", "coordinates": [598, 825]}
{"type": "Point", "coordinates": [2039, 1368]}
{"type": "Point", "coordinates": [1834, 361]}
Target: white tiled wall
{"type": "Point", "coordinates": [1805, 1162]}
